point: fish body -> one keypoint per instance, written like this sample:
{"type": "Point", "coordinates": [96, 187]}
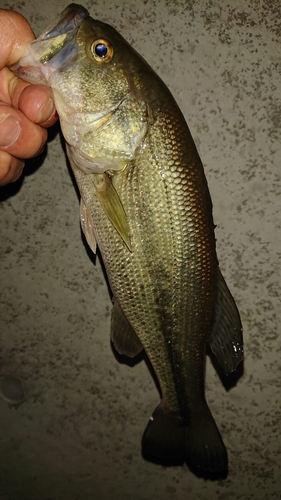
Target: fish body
{"type": "Point", "coordinates": [145, 203]}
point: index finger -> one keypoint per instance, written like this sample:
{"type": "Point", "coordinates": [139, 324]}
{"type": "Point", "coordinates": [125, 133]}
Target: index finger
{"type": "Point", "coordinates": [15, 35]}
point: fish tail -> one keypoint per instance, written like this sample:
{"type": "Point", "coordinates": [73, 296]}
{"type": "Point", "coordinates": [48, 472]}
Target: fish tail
{"type": "Point", "coordinates": [169, 440]}
{"type": "Point", "coordinates": [163, 438]}
{"type": "Point", "coordinates": [205, 450]}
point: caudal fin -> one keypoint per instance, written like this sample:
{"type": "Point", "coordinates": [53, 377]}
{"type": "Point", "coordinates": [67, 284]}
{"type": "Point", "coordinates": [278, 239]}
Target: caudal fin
{"type": "Point", "coordinates": [170, 441]}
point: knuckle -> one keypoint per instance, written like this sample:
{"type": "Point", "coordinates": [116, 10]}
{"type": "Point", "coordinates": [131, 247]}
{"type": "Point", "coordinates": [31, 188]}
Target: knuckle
{"type": "Point", "coordinates": [10, 168]}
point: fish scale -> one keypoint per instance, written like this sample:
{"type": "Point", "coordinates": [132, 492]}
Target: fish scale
{"type": "Point", "coordinates": [145, 202]}
{"type": "Point", "coordinates": [166, 234]}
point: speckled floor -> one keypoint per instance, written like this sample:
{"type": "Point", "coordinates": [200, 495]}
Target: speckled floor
{"type": "Point", "coordinates": [78, 433]}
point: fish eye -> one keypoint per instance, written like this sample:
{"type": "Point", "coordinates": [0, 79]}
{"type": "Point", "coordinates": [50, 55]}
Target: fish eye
{"type": "Point", "coordinates": [102, 50]}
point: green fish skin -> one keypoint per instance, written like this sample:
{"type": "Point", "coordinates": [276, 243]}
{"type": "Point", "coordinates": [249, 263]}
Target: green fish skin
{"type": "Point", "coordinates": [145, 202]}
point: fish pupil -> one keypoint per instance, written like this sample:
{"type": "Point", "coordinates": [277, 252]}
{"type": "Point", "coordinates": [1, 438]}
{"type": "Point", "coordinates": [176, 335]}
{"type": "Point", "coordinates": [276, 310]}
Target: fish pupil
{"type": "Point", "coordinates": [101, 50]}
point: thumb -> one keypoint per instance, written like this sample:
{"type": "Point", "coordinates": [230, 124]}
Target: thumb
{"type": "Point", "coordinates": [15, 35]}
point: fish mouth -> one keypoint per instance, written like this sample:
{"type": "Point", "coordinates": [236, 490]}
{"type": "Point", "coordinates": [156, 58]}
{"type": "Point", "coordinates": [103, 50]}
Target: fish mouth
{"type": "Point", "coordinates": [54, 49]}
{"type": "Point", "coordinates": [69, 20]}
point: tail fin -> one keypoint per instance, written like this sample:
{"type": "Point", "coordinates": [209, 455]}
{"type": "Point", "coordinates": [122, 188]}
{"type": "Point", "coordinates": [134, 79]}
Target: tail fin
{"type": "Point", "coordinates": [169, 440]}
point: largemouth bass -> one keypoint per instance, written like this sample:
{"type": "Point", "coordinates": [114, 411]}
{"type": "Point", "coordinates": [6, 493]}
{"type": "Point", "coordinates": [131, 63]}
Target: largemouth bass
{"type": "Point", "coordinates": [146, 204]}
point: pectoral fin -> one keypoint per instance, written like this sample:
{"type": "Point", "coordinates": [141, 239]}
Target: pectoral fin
{"type": "Point", "coordinates": [87, 227]}
{"type": "Point", "coordinates": [112, 206]}
{"type": "Point", "coordinates": [123, 336]}
{"type": "Point", "coordinates": [226, 339]}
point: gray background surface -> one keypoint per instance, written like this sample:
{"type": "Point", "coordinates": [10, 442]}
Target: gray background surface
{"type": "Point", "coordinates": [78, 433]}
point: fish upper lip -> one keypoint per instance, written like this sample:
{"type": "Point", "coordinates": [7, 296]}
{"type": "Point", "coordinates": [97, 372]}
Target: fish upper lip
{"type": "Point", "coordinates": [69, 20]}
{"type": "Point", "coordinates": [43, 50]}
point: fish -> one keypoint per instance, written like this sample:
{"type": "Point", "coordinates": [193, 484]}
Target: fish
{"type": "Point", "coordinates": [145, 203]}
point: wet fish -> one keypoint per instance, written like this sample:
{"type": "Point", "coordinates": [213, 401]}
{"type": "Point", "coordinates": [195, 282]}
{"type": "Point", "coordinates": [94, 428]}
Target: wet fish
{"type": "Point", "coordinates": [145, 203]}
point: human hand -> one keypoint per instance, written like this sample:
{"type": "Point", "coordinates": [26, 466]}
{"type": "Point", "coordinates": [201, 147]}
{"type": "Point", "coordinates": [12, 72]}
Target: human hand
{"type": "Point", "coordinates": [25, 110]}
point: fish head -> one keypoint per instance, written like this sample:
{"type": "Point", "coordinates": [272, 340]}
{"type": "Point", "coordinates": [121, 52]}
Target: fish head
{"type": "Point", "coordinates": [97, 81]}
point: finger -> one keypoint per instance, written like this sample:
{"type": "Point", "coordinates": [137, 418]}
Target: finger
{"type": "Point", "coordinates": [15, 35]}
{"type": "Point", "coordinates": [10, 168]}
{"type": "Point", "coordinates": [18, 135]}
{"type": "Point", "coordinates": [37, 103]}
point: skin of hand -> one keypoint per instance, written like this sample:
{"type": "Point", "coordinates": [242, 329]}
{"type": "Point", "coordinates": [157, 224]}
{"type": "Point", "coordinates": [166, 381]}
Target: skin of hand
{"type": "Point", "coordinates": [25, 110]}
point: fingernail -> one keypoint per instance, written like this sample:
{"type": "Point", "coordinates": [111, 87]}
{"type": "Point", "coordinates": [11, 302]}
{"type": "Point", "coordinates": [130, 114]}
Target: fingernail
{"type": "Point", "coordinates": [46, 111]}
{"type": "Point", "coordinates": [9, 130]}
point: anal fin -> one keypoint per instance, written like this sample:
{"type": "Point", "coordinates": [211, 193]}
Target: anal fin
{"type": "Point", "coordinates": [125, 340]}
{"type": "Point", "coordinates": [226, 339]}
